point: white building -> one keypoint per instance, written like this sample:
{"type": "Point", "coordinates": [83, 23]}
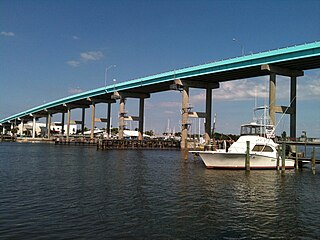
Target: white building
{"type": "Point", "coordinates": [41, 129]}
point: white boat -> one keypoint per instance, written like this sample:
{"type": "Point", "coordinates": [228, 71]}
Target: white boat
{"type": "Point", "coordinates": [262, 150]}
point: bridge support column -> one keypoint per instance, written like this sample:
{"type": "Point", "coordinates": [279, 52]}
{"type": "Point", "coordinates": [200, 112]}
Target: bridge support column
{"type": "Point", "coordinates": [68, 123]}
{"type": "Point", "coordinates": [185, 113]}
{"type": "Point", "coordinates": [141, 118]}
{"type": "Point", "coordinates": [292, 109]}
{"type": "Point", "coordinates": [83, 120]}
{"type": "Point", "coordinates": [121, 117]}
{"type": "Point", "coordinates": [93, 113]}
{"type": "Point", "coordinates": [208, 115]}
{"type": "Point", "coordinates": [108, 120]}
{"type": "Point", "coordinates": [49, 125]}
{"type": "Point", "coordinates": [272, 98]}
{"type": "Point", "coordinates": [34, 127]}
{"type": "Point", "coordinates": [62, 123]}
{"type": "Point", "coordinates": [21, 130]}
{"type": "Point", "coordinates": [293, 106]}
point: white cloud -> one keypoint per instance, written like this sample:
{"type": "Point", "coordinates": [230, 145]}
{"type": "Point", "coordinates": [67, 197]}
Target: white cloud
{"type": "Point", "coordinates": [73, 63]}
{"type": "Point", "coordinates": [91, 56]}
{"type": "Point", "coordinates": [86, 57]}
{"type": "Point", "coordinates": [236, 91]}
{"type": "Point", "coordinates": [75, 90]}
{"type": "Point", "coordinates": [169, 104]}
{"type": "Point", "coordinates": [308, 88]}
{"type": "Point", "coordinates": [75, 37]}
{"type": "Point", "coordinates": [169, 112]}
{"type": "Point", "coordinates": [8, 34]}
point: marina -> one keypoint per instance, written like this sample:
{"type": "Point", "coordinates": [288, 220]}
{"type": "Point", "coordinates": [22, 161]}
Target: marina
{"type": "Point", "coordinates": [169, 120]}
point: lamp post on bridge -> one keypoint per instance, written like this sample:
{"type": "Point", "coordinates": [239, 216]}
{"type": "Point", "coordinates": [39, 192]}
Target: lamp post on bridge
{"type": "Point", "coordinates": [241, 45]}
{"type": "Point", "coordinates": [106, 75]}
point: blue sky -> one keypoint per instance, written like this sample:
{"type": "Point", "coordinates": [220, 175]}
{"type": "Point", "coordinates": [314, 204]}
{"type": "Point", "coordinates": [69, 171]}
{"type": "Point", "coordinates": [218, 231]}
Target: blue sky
{"type": "Point", "coordinates": [52, 49]}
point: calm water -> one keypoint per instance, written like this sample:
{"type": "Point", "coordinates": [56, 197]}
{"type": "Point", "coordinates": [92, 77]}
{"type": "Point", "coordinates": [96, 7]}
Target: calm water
{"type": "Point", "coordinates": [65, 192]}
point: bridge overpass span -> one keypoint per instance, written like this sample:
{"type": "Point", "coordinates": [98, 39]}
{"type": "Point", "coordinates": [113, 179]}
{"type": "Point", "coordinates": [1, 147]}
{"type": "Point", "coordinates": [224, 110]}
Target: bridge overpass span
{"type": "Point", "coordinates": [290, 61]}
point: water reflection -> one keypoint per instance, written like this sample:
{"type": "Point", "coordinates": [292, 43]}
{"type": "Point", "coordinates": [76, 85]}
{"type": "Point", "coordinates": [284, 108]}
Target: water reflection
{"type": "Point", "coordinates": [64, 192]}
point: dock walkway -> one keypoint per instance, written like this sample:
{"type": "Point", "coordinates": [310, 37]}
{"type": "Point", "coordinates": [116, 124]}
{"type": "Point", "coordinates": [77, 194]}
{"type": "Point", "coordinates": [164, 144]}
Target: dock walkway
{"type": "Point", "coordinates": [104, 144]}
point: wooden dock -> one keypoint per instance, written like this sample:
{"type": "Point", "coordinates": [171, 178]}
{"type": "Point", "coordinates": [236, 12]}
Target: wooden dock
{"type": "Point", "coordinates": [76, 141]}
{"type": "Point", "coordinates": [6, 138]}
{"type": "Point", "coordinates": [105, 144]}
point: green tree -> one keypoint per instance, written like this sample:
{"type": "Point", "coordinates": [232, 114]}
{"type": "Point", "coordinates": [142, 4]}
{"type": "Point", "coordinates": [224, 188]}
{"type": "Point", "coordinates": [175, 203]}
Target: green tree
{"type": "Point", "coordinates": [114, 131]}
{"type": "Point", "coordinates": [14, 131]}
{"type": "Point", "coordinates": [150, 133]}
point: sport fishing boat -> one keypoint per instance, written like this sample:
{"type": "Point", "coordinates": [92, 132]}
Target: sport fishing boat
{"type": "Point", "coordinates": [262, 149]}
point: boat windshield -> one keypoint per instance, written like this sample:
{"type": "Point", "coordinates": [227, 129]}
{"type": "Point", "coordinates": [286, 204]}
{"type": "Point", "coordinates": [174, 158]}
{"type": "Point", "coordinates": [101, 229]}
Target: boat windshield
{"type": "Point", "coordinates": [257, 130]}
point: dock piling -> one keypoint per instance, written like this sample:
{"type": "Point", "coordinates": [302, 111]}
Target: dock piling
{"type": "Point", "coordinates": [278, 158]}
{"type": "Point", "coordinates": [313, 161]}
{"type": "Point", "coordinates": [247, 160]}
{"type": "Point", "coordinates": [297, 159]}
{"type": "Point", "coordinates": [283, 157]}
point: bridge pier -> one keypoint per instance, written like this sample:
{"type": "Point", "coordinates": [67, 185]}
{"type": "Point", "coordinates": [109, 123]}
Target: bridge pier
{"type": "Point", "coordinates": [293, 106]}
{"type": "Point", "coordinates": [141, 118]}
{"type": "Point", "coordinates": [22, 126]}
{"type": "Point", "coordinates": [108, 120]}
{"type": "Point", "coordinates": [62, 123]}
{"type": "Point", "coordinates": [121, 117]}
{"type": "Point", "coordinates": [68, 123]}
{"type": "Point", "coordinates": [208, 115]}
{"type": "Point", "coordinates": [93, 116]}
{"type": "Point", "coordinates": [272, 98]}
{"type": "Point", "coordinates": [83, 115]}
{"type": "Point", "coordinates": [183, 86]}
{"type": "Point", "coordinates": [34, 127]}
{"type": "Point", "coordinates": [292, 109]}
{"type": "Point", "coordinates": [185, 114]}
{"type": "Point", "coordinates": [48, 125]}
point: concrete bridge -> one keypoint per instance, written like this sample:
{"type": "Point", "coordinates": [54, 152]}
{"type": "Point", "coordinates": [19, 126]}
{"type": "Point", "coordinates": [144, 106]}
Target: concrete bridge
{"type": "Point", "coordinates": [289, 61]}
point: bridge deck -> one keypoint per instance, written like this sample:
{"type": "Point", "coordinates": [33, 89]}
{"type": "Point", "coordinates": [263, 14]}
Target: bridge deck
{"type": "Point", "coordinates": [300, 57]}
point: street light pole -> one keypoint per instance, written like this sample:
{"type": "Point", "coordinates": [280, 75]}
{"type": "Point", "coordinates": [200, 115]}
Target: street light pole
{"type": "Point", "coordinates": [242, 47]}
{"type": "Point", "coordinates": [106, 76]}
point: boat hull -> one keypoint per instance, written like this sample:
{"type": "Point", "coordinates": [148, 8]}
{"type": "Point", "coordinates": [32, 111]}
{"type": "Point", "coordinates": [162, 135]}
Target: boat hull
{"type": "Point", "coordinates": [237, 161]}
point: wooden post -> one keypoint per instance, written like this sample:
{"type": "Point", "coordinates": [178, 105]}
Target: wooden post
{"type": "Point", "coordinates": [283, 157]}
{"type": "Point", "coordinates": [297, 159]}
{"type": "Point", "coordinates": [313, 161]}
{"type": "Point", "coordinates": [278, 158]}
{"type": "Point", "coordinates": [247, 162]}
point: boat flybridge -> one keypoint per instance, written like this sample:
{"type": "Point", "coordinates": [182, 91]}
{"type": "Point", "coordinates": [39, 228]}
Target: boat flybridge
{"type": "Point", "coordinates": [262, 148]}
